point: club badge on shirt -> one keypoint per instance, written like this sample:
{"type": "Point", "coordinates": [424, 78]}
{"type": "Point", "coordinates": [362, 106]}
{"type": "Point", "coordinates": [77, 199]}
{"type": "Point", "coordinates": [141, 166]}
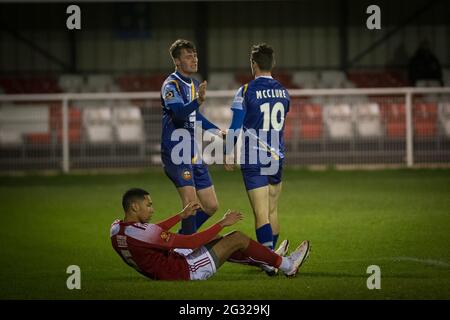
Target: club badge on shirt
{"type": "Point", "coordinates": [165, 236]}
{"type": "Point", "coordinates": [169, 95]}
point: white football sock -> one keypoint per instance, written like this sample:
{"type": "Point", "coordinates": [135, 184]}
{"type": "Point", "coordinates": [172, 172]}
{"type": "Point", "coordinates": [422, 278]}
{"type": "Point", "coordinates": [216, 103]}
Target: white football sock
{"type": "Point", "coordinates": [286, 264]}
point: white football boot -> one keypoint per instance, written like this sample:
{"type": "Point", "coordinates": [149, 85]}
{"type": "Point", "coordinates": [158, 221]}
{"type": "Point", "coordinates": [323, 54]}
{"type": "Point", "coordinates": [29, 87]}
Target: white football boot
{"type": "Point", "coordinates": [281, 251]}
{"type": "Point", "coordinates": [298, 257]}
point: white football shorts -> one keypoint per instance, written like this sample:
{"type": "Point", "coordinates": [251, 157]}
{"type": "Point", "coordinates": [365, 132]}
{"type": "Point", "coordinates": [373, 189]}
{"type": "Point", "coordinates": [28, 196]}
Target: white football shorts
{"type": "Point", "coordinates": [200, 261]}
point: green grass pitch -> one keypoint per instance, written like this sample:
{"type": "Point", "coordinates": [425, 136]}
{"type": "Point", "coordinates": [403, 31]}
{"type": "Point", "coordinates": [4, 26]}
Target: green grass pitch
{"type": "Point", "coordinates": [396, 219]}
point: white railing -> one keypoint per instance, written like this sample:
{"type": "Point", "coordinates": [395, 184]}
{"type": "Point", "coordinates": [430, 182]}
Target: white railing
{"type": "Point", "coordinates": [406, 94]}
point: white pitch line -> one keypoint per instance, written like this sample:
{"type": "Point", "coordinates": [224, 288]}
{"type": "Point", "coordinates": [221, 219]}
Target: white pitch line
{"type": "Point", "coordinates": [430, 262]}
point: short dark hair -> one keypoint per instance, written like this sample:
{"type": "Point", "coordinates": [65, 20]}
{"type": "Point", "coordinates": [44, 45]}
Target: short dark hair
{"type": "Point", "coordinates": [175, 48]}
{"type": "Point", "coordinates": [132, 195]}
{"type": "Point", "coordinates": [262, 54]}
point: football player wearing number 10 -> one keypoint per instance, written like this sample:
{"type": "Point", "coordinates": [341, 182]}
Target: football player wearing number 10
{"type": "Point", "coordinates": [260, 108]}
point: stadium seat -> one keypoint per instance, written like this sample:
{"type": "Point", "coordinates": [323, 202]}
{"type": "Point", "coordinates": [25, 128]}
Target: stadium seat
{"type": "Point", "coordinates": [38, 138]}
{"type": "Point", "coordinates": [10, 137]}
{"type": "Point", "coordinates": [292, 123]}
{"type": "Point", "coordinates": [243, 77]}
{"type": "Point", "coordinates": [74, 132]}
{"type": "Point", "coordinates": [332, 79]}
{"type": "Point", "coordinates": [444, 117]}
{"type": "Point", "coordinates": [222, 81]}
{"type": "Point", "coordinates": [71, 82]}
{"type": "Point", "coordinates": [16, 121]}
{"type": "Point", "coordinates": [218, 112]}
{"type": "Point", "coordinates": [425, 119]}
{"type": "Point", "coordinates": [427, 83]}
{"type": "Point", "coordinates": [134, 83]}
{"type": "Point", "coordinates": [156, 81]}
{"type": "Point", "coordinates": [285, 78]}
{"type": "Point", "coordinates": [338, 121]}
{"type": "Point", "coordinates": [97, 122]}
{"type": "Point", "coordinates": [311, 125]}
{"type": "Point", "coordinates": [99, 83]}
{"type": "Point", "coordinates": [305, 79]}
{"type": "Point", "coordinates": [31, 84]}
{"type": "Point", "coordinates": [377, 79]}
{"type": "Point", "coordinates": [128, 124]}
{"type": "Point", "coordinates": [394, 118]}
{"type": "Point", "coordinates": [368, 120]}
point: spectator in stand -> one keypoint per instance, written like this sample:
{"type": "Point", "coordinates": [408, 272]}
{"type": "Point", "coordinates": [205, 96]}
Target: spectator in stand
{"type": "Point", "coordinates": [424, 65]}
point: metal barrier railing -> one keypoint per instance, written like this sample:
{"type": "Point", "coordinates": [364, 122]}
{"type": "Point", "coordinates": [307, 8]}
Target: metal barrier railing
{"type": "Point", "coordinates": [383, 125]}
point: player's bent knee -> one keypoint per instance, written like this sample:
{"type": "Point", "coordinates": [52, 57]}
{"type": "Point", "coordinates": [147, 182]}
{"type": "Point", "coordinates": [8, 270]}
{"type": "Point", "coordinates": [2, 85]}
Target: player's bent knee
{"type": "Point", "coordinates": [238, 236]}
{"type": "Point", "coordinates": [189, 199]}
{"type": "Point", "coordinates": [211, 208]}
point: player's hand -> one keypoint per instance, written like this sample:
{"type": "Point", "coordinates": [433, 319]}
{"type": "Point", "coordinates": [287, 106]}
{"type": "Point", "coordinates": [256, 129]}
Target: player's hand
{"type": "Point", "coordinates": [202, 92]}
{"type": "Point", "coordinates": [189, 210]}
{"type": "Point", "coordinates": [223, 134]}
{"type": "Point", "coordinates": [229, 164]}
{"type": "Point", "coordinates": [230, 218]}
{"type": "Point", "coordinates": [229, 167]}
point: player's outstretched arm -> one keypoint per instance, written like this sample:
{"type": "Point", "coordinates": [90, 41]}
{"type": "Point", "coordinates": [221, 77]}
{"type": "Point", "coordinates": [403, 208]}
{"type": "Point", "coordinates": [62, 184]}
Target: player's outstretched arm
{"type": "Point", "coordinates": [230, 218]}
{"type": "Point", "coordinates": [189, 210]}
{"type": "Point", "coordinates": [198, 239]}
{"type": "Point", "coordinates": [206, 124]}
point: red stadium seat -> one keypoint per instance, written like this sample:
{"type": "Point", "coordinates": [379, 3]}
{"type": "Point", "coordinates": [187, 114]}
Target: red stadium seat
{"type": "Point", "coordinates": [38, 138]}
{"type": "Point", "coordinates": [284, 78]}
{"type": "Point", "coordinates": [394, 117]}
{"type": "Point", "coordinates": [135, 83]}
{"type": "Point", "coordinates": [243, 78]}
{"type": "Point", "coordinates": [311, 126]}
{"type": "Point", "coordinates": [292, 121]}
{"type": "Point", "coordinates": [74, 123]}
{"type": "Point", "coordinates": [425, 119]}
{"type": "Point", "coordinates": [74, 135]}
{"type": "Point", "coordinates": [34, 84]}
{"type": "Point", "coordinates": [376, 79]}
{"type": "Point", "coordinates": [155, 82]}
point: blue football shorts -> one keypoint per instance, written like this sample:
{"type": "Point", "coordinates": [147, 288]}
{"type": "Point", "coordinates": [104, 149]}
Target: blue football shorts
{"type": "Point", "coordinates": [254, 179]}
{"type": "Point", "coordinates": [182, 175]}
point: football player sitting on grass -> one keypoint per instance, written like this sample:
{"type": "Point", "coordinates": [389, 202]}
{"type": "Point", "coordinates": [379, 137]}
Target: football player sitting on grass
{"type": "Point", "coordinates": [159, 254]}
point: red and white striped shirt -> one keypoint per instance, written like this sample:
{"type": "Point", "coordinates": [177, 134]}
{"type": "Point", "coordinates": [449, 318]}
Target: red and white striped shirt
{"type": "Point", "coordinates": [148, 247]}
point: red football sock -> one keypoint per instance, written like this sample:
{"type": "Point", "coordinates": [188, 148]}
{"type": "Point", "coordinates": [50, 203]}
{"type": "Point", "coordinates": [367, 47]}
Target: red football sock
{"type": "Point", "coordinates": [262, 254]}
{"type": "Point", "coordinates": [240, 257]}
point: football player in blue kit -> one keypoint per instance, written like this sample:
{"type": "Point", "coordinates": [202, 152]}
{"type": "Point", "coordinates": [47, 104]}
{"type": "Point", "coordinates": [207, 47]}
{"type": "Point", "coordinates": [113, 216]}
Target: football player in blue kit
{"type": "Point", "coordinates": [259, 111]}
{"type": "Point", "coordinates": [181, 97]}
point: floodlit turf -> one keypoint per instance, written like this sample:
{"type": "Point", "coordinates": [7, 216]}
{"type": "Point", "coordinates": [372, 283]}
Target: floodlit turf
{"type": "Point", "coordinates": [396, 219]}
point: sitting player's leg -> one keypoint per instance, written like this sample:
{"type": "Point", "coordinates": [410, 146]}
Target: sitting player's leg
{"type": "Point", "coordinates": [187, 195]}
{"type": "Point", "coordinates": [205, 194]}
{"type": "Point", "coordinates": [237, 244]}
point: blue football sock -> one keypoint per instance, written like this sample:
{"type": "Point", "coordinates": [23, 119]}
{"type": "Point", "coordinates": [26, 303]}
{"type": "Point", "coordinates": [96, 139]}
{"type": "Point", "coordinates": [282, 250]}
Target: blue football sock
{"type": "Point", "coordinates": [188, 226]}
{"type": "Point", "coordinates": [200, 218]}
{"type": "Point", "coordinates": [264, 235]}
{"type": "Point", "coordinates": [275, 240]}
